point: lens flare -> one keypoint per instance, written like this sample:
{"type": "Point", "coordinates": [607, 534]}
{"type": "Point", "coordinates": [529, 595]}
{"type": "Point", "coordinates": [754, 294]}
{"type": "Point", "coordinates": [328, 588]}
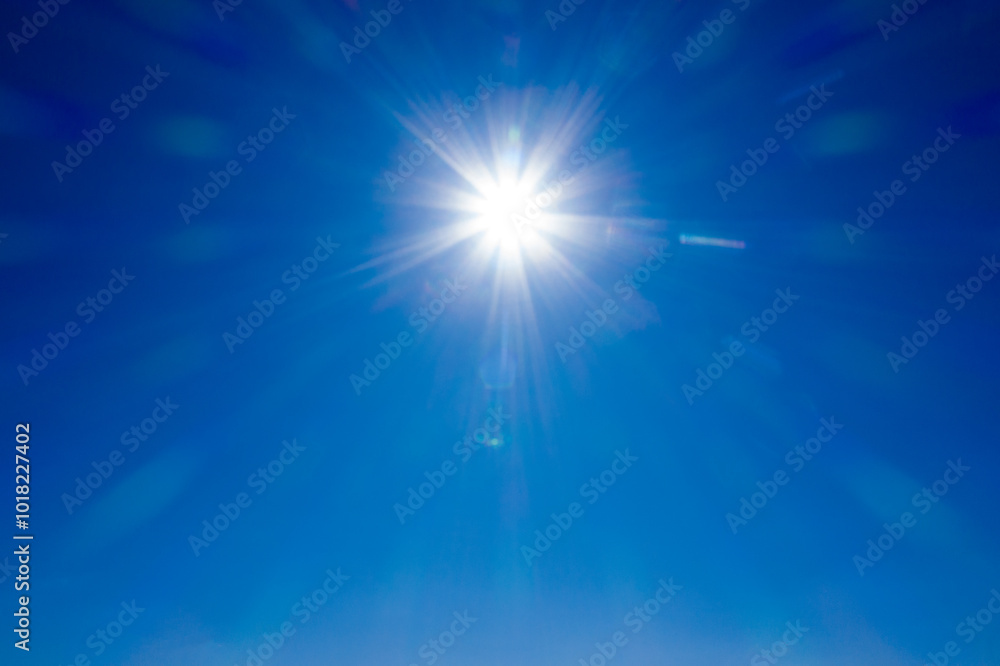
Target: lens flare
{"type": "Point", "coordinates": [714, 242]}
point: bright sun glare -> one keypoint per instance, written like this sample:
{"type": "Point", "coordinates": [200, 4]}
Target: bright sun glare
{"type": "Point", "coordinates": [498, 210]}
{"type": "Point", "coordinates": [511, 191]}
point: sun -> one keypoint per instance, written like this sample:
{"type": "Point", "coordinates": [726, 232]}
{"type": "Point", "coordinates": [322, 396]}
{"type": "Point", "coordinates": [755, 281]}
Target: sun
{"type": "Point", "coordinates": [515, 189]}
{"type": "Point", "coordinates": [498, 208]}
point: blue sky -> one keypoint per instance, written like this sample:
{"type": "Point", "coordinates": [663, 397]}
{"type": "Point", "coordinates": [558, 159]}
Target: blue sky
{"type": "Point", "coordinates": [434, 215]}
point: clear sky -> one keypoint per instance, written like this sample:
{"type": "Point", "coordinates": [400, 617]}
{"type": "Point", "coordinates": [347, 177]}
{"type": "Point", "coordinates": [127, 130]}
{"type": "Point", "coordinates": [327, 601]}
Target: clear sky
{"type": "Point", "coordinates": [507, 332]}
